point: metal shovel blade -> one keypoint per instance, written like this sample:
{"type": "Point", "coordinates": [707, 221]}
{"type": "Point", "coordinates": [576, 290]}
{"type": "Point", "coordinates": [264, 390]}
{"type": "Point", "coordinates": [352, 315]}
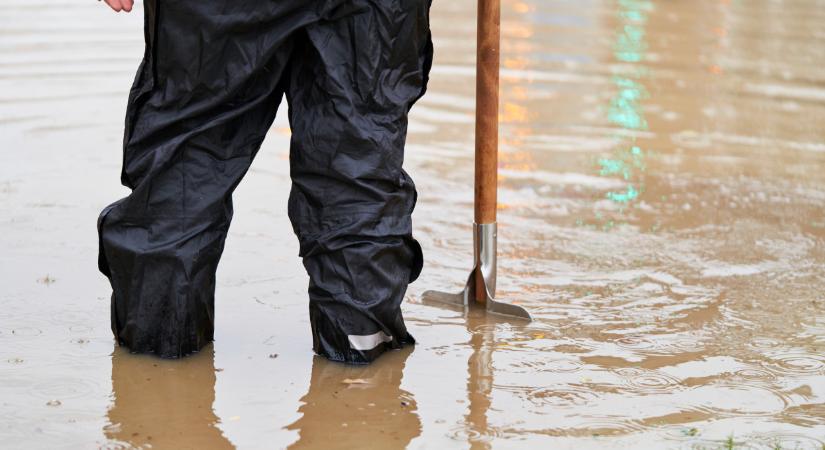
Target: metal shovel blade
{"type": "Point", "coordinates": [465, 301]}
{"type": "Point", "coordinates": [484, 266]}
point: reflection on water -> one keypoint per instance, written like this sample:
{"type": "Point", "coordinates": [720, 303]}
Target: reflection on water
{"type": "Point", "coordinates": [661, 216]}
{"type": "Point", "coordinates": [162, 403]}
{"type": "Point", "coordinates": [479, 431]}
{"type": "Point", "coordinates": [357, 406]}
{"type": "Point", "coordinates": [625, 108]}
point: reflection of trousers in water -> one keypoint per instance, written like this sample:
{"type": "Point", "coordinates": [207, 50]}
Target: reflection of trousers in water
{"type": "Point", "coordinates": [208, 88]}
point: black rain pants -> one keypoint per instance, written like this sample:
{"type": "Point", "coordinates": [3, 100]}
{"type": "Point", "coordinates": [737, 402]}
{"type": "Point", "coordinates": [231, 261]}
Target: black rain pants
{"type": "Point", "coordinates": [211, 80]}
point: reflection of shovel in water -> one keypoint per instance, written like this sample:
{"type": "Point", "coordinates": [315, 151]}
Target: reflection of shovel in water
{"type": "Point", "coordinates": [480, 289]}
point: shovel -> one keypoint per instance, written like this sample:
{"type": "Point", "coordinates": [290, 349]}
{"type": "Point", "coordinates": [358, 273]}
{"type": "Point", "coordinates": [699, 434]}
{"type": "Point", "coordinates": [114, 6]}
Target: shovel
{"type": "Point", "coordinates": [480, 288]}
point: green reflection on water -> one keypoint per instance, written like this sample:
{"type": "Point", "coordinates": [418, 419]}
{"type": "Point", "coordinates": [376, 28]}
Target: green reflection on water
{"type": "Point", "coordinates": [625, 109]}
{"type": "Point", "coordinates": [630, 44]}
{"type": "Point", "coordinates": [624, 197]}
{"type": "Point", "coordinates": [624, 166]}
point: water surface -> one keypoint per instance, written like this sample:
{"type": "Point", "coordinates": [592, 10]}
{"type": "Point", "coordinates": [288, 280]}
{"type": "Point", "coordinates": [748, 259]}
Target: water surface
{"type": "Point", "coordinates": [662, 216]}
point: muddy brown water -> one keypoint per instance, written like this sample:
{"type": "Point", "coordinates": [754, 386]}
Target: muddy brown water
{"type": "Point", "coordinates": [662, 215]}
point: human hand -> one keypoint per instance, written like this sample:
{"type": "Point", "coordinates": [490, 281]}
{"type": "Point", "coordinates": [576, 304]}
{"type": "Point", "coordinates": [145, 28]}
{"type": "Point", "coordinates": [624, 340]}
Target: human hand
{"type": "Point", "coordinates": [120, 5]}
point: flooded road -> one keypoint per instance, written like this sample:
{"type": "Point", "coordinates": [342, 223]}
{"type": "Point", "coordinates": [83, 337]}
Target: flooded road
{"type": "Point", "coordinates": [662, 216]}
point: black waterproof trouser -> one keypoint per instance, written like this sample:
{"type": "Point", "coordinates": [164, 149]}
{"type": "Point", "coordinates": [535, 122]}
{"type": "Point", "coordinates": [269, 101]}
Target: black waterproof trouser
{"type": "Point", "coordinates": [204, 96]}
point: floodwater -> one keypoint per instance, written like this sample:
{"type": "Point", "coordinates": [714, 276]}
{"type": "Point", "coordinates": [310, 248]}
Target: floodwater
{"type": "Point", "coordinates": [662, 216]}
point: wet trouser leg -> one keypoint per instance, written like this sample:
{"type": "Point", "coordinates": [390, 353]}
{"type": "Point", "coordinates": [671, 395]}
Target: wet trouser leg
{"type": "Point", "coordinates": [204, 96]}
{"type": "Point", "coordinates": [202, 100]}
{"type": "Point", "coordinates": [351, 201]}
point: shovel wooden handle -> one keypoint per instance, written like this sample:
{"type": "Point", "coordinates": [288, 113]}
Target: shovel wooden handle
{"type": "Point", "coordinates": [487, 68]}
{"type": "Point", "coordinates": [486, 161]}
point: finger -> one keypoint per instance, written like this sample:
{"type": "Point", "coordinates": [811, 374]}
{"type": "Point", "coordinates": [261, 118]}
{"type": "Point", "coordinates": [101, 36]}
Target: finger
{"type": "Point", "coordinates": [127, 4]}
{"type": "Point", "coordinates": [114, 4]}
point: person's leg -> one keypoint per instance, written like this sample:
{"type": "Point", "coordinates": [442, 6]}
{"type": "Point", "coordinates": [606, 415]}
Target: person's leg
{"type": "Point", "coordinates": [352, 82]}
{"type": "Point", "coordinates": [203, 98]}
